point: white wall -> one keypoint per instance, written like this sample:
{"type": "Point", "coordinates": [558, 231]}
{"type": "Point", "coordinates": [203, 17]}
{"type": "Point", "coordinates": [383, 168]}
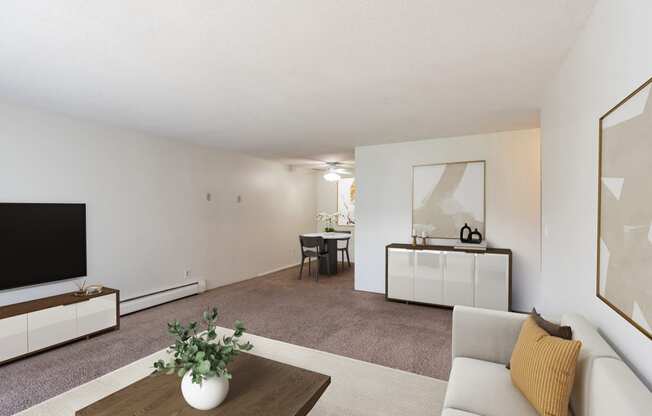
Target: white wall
{"type": "Point", "coordinates": [384, 204]}
{"type": "Point", "coordinates": [327, 202]}
{"type": "Point", "coordinates": [147, 213]}
{"type": "Point", "coordinates": [611, 58]}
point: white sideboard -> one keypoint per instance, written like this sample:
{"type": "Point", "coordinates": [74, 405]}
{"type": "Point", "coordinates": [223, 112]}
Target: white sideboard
{"type": "Point", "coordinates": [13, 337]}
{"type": "Point", "coordinates": [30, 327]}
{"type": "Point", "coordinates": [445, 276]}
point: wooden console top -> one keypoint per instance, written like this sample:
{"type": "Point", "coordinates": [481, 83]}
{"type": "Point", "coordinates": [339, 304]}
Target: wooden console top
{"type": "Point", "coordinates": [489, 250]}
{"type": "Point", "coordinates": [49, 302]}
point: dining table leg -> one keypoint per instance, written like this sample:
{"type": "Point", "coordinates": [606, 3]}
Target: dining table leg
{"type": "Point", "coordinates": [332, 258]}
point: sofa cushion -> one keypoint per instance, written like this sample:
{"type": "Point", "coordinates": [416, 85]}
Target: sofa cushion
{"type": "Point", "coordinates": [484, 388]}
{"type": "Point", "coordinates": [551, 328]}
{"type": "Point", "coordinates": [543, 368]}
{"type": "Point", "coordinates": [616, 391]}
{"type": "Point", "coordinates": [593, 347]}
{"type": "Point", "coordinates": [485, 334]}
{"type": "Point", "coordinates": [561, 331]}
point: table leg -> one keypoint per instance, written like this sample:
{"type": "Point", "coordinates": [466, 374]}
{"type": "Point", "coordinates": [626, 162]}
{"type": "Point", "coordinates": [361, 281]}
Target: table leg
{"type": "Point", "coordinates": [332, 258]}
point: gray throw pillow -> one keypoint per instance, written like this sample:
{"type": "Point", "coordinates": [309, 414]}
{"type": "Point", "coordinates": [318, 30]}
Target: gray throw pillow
{"type": "Point", "coordinates": [552, 328]}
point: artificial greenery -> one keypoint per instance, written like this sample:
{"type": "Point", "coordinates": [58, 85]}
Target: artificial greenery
{"type": "Point", "coordinates": [201, 352]}
{"type": "Point", "coordinates": [329, 220]}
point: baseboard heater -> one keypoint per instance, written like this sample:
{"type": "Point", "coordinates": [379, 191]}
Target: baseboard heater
{"type": "Point", "coordinates": [147, 300]}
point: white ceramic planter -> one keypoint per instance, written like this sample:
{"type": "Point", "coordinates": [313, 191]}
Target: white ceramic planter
{"type": "Point", "coordinates": [210, 394]}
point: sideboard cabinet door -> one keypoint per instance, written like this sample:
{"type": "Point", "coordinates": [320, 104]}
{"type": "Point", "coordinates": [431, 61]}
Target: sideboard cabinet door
{"type": "Point", "coordinates": [458, 279]}
{"type": "Point", "coordinates": [429, 277]}
{"type": "Point", "coordinates": [13, 337]}
{"type": "Point", "coordinates": [400, 274]}
{"type": "Point", "coordinates": [51, 326]}
{"type": "Point", "coordinates": [96, 314]}
{"type": "Point", "coordinates": [492, 281]}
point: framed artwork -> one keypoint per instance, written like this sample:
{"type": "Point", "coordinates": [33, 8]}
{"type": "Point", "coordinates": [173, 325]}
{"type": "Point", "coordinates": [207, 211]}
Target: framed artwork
{"type": "Point", "coordinates": [624, 246]}
{"type": "Point", "coordinates": [446, 196]}
{"type": "Point", "coordinates": [346, 193]}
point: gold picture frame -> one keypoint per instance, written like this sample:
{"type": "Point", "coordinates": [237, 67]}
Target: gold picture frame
{"type": "Point", "coordinates": [624, 224]}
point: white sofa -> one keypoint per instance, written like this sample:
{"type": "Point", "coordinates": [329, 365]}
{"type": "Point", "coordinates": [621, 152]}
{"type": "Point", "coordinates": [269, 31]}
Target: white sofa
{"type": "Point", "coordinates": [479, 383]}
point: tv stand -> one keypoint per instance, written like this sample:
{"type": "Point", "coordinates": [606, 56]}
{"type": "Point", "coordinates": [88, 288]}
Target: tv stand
{"type": "Point", "coordinates": [28, 328]}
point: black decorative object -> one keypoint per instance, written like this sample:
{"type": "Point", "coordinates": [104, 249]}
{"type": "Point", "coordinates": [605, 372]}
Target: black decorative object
{"type": "Point", "coordinates": [465, 233]}
{"type": "Point", "coordinates": [476, 237]}
{"type": "Point", "coordinates": [470, 237]}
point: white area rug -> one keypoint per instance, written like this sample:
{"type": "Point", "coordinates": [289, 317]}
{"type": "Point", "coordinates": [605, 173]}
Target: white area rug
{"type": "Point", "coordinates": [357, 387]}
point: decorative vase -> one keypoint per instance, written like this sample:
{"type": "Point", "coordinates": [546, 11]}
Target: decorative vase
{"type": "Point", "coordinates": [210, 394]}
{"type": "Point", "coordinates": [476, 237]}
{"type": "Point", "coordinates": [465, 233]}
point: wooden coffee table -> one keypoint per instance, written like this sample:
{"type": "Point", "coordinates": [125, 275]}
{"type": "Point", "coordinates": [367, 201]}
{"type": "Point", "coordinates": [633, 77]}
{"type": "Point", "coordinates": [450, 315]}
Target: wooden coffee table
{"type": "Point", "coordinates": [259, 387]}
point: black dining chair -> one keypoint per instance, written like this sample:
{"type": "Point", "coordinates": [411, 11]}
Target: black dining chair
{"type": "Point", "coordinates": [313, 248]}
{"type": "Point", "coordinates": [344, 250]}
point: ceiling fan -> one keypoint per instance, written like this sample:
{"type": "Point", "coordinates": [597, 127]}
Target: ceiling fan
{"type": "Point", "coordinates": [335, 170]}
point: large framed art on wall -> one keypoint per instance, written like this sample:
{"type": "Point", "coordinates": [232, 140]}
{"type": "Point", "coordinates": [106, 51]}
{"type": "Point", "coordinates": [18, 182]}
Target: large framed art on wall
{"type": "Point", "coordinates": [446, 196]}
{"type": "Point", "coordinates": [624, 266]}
{"type": "Point", "coordinates": [346, 194]}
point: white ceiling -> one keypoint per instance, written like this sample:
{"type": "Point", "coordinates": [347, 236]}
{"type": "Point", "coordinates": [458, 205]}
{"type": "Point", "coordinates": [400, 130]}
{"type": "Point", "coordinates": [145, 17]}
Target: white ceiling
{"type": "Point", "coordinates": [289, 79]}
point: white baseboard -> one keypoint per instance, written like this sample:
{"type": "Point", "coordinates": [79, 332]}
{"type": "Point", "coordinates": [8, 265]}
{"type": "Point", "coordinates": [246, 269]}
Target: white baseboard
{"type": "Point", "coordinates": [158, 297]}
{"type": "Point", "coordinates": [289, 266]}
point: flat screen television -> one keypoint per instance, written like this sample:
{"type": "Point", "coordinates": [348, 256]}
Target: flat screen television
{"type": "Point", "coordinates": [41, 243]}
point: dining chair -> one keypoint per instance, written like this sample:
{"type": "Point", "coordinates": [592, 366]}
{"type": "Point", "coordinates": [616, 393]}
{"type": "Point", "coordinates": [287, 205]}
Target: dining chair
{"type": "Point", "coordinates": [345, 249]}
{"type": "Point", "coordinates": [313, 248]}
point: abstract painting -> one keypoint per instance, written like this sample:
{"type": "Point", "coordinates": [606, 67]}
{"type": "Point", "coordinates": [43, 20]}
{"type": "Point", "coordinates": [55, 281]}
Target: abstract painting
{"type": "Point", "coordinates": [346, 193]}
{"type": "Point", "coordinates": [624, 269]}
{"type": "Point", "coordinates": [446, 196]}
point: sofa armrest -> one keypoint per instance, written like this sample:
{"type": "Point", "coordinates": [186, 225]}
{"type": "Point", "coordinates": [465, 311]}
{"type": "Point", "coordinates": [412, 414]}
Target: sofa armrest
{"type": "Point", "coordinates": [485, 334]}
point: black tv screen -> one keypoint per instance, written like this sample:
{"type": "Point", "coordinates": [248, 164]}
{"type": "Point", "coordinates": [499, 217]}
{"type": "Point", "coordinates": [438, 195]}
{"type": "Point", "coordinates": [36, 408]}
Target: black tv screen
{"type": "Point", "coordinates": [41, 243]}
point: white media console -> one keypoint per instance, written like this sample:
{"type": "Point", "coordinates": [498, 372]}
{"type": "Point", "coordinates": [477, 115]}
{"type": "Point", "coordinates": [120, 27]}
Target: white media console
{"type": "Point", "coordinates": [27, 328]}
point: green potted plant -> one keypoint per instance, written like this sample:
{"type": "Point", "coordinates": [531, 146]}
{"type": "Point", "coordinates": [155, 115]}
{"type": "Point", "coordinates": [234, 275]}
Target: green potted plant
{"type": "Point", "coordinates": [201, 359]}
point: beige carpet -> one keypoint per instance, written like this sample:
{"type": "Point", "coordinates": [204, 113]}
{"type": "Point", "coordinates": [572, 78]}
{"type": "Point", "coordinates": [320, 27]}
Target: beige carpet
{"type": "Point", "coordinates": [327, 315]}
{"type": "Point", "coordinates": [357, 388]}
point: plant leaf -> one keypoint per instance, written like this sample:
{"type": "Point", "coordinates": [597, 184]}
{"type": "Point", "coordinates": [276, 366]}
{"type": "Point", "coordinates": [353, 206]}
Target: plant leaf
{"type": "Point", "coordinates": [204, 367]}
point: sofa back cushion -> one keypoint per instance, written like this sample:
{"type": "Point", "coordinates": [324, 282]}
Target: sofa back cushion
{"type": "Point", "coordinates": [485, 334]}
{"type": "Point", "coordinates": [593, 347]}
{"type": "Point", "coordinates": [543, 368]}
{"type": "Point", "coordinates": [616, 391]}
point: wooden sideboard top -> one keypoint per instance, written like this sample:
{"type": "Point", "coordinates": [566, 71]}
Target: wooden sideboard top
{"type": "Point", "coordinates": [49, 302]}
{"type": "Point", "coordinates": [489, 250]}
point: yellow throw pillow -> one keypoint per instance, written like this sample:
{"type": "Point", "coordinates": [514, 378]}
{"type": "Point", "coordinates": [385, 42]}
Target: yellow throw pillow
{"type": "Point", "coordinates": [543, 369]}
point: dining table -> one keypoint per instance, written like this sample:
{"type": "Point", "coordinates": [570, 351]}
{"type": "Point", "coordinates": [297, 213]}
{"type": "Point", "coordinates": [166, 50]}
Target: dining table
{"type": "Point", "coordinates": [330, 240]}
